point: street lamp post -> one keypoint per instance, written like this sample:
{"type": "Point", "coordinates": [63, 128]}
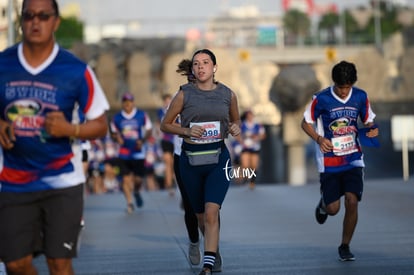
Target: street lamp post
{"type": "Point", "coordinates": [342, 23]}
{"type": "Point", "coordinates": [377, 21]}
{"type": "Point", "coordinates": [10, 23]}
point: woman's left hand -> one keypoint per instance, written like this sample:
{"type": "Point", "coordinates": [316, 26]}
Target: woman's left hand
{"type": "Point", "coordinates": [234, 129]}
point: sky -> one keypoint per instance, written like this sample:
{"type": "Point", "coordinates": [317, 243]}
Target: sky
{"type": "Point", "coordinates": [174, 16]}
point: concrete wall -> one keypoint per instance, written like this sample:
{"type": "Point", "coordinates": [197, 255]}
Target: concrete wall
{"type": "Point", "coordinates": [148, 71]}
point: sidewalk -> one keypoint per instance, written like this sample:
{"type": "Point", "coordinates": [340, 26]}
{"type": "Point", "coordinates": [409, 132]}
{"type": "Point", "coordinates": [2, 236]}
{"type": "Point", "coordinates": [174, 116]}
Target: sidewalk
{"type": "Point", "coordinates": [269, 230]}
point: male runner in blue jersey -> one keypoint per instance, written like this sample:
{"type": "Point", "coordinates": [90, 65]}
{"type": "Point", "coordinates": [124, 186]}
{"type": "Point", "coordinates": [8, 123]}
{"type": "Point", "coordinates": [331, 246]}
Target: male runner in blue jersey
{"type": "Point", "coordinates": [331, 120]}
{"type": "Point", "coordinates": [41, 180]}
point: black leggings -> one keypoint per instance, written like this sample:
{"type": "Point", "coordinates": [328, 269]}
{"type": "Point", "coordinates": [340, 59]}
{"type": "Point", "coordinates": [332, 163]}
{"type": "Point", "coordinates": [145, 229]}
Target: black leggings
{"type": "Point", "coordinates": [190, 218]}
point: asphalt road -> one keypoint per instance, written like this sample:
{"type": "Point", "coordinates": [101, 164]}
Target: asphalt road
{"type": "Point", "coordinates": [269, 230]}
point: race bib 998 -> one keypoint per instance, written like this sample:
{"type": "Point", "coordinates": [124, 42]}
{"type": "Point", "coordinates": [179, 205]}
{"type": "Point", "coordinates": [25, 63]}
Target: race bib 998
{"type": "Point", "coordinates": [211, 132]}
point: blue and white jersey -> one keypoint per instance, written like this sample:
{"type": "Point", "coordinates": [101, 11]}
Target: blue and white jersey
{"type": "Point", "coordinates": [132, 127]}
{"type": "Point", "coordinates": [178, 142]}
{"type": "Point", "coordinates": [337, 119]}
{"type": "Point", "coordinates": [84, 144]}
{"type": "Point", "coordinates": [38, 161]}
{"type": "Point", "coordinates": [164, 136]}
{"type": "Point", "coordinates": [249, 132]}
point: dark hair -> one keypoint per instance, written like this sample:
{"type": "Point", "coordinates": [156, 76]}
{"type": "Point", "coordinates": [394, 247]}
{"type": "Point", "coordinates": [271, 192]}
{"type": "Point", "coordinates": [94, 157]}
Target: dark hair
{"type": "Point", "coordinates": [185, 68]}
{"type": "Point", "coordinates": [344, 73]}
{"type": "Point", "coordinates": [206, 51]}
{"type": "Point", "coordinates": [54, 5]}
{"type": "Point", "coordinates": [244, 114]}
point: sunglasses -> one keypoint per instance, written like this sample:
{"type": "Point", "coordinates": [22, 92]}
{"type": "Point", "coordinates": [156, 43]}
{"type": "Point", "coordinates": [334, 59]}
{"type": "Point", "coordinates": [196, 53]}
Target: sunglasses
{"type": "Point", "coordinates": [43, 16]}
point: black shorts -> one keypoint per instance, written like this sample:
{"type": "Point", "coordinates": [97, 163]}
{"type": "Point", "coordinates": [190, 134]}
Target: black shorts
{"type": "Point", "coordinates": [334, 185]}
{"type": "Point", "coordinates": [167, 146]}
{"type": "Point", "coordinates": [85, 156]}
{"type": "Point", "coordinates": [47, 222]}
{"type": "Point", "coordinates": [205, 183]}
{"type": "Point", "coordinates": [135, 166]}
{"type": "Point", "coordinates": [115, 162]}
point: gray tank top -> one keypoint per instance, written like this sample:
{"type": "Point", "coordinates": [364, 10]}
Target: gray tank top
{"type": "Point", "coordinates": [206, 106]}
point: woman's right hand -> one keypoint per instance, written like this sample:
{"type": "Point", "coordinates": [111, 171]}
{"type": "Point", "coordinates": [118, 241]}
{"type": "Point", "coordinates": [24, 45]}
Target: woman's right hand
{"type": "Point", "coordinates": [196, 131]}
{"type": "Point", "coordinates": [7, 136]}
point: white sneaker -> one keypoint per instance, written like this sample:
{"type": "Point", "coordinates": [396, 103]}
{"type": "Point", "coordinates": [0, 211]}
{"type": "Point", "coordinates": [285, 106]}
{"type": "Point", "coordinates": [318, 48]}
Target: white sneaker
{"type": "Point", "coordinates": [194, 254]}
{"type": "Point", "coordinates": [2, 268]}
{"type": "Point", "coordinates": [130, 208]}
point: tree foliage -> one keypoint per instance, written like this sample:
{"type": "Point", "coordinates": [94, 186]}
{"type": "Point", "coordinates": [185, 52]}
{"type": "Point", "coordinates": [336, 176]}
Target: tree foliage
{"type": "Point", "coordinates": [329, 22]}
{"type": "Point", "coordinates": [69, 32]}
{"type": "Point", "coordinates": [332, 21]}
{"type": "Point", "coordinates": [388, 19]}
{"type": "Point", "coordinates": [355, 34]}
{"type": "Point", "coordinates": [296, 24]}
{"type": "Point", "coordinates": [351, 25]}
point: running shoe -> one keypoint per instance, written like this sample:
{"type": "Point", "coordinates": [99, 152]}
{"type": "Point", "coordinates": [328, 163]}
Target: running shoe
{"type": "Point", "coordinates": [194, 254]}
{"type": "Point", "coordinates": [138, 199]}
{"type": "Point", "coordinates": [320, 213]}
{"type": "Point", "coordinates": [205, 272]}
{"type": "Point", "coordinates": [130, 208]}
{"type": "Point", "coordinates": [345, 253]}
{"type": "Point", "coordinates": [2, 268]}
{"type": "Point", "coordinates": [218, 262]}
{"type": "Point", "coordinates": [252, 185]}
{"type": "Point", "coordinates": [171, 191]}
